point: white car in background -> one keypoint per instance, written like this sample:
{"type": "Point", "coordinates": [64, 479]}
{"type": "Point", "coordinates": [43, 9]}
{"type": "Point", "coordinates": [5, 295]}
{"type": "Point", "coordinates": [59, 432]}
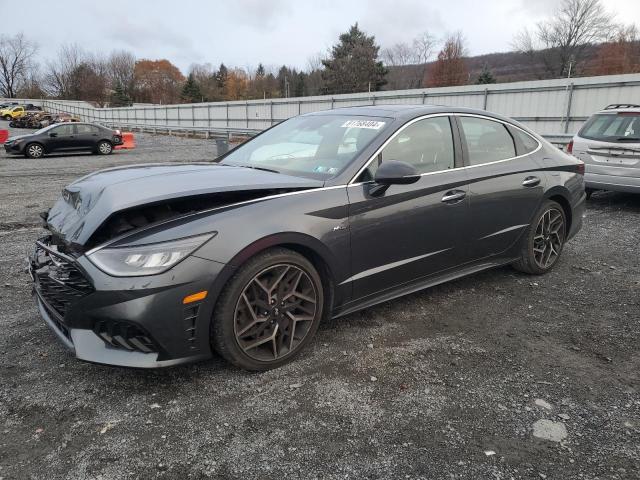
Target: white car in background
{"type": "Point", "coordinates": [609, 145]}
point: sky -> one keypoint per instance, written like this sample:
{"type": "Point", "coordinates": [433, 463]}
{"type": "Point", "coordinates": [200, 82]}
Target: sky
{"type": "Point", "coordinates": [243, 33]}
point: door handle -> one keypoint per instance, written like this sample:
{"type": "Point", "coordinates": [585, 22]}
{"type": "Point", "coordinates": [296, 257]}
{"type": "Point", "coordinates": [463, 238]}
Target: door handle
{"type": "Point", "coordinates": [453, 196]}
{"type": "Point", "coordinates": [531, 181]}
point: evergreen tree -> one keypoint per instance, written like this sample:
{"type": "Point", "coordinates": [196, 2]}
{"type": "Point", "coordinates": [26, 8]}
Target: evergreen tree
{"type": "Point", "coordinates": [260, 72]}
{"type": "Point", "coordinates": [119, 98]}
{"type": "Point", "coordinates": [221, 76]}
{"type": "Point", "coordinates": [486, 76]}
{"type": "Point", "coordinates": [353, 65]}
{"type": "Point", "coordinates": [191, 90]}
{"type": "Point", "coordinates": [300, 85]}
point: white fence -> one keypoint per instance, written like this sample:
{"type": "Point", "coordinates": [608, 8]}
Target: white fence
{"type": "Point", "coordinates": [549, 107]}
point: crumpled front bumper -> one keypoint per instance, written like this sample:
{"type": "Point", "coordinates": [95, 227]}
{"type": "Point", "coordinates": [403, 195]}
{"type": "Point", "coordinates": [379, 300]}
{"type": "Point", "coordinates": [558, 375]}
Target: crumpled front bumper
{"type": "Point", "coordinates": [134, 321]}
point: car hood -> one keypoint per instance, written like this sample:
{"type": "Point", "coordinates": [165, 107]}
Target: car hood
{"type": "Point", "coordinates": [88, 202]}
{"type": "Point", "coordinates": [18, 137]}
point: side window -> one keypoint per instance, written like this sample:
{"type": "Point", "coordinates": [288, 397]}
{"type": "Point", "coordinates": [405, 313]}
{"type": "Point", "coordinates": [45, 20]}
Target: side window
{"type": "Point", "coordinates": [528, 142]}
{"type": "Point", "coordinates": [63, 130]}
{"type": "Point", "coordinates": [83, 129]}
{"type": "Point", "coordinates": [426, 144]}
{"type": "Point", "coordinates": [487, 141]}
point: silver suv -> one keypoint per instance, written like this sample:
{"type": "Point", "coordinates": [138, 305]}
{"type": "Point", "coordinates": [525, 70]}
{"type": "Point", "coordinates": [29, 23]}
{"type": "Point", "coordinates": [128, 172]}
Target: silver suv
{"type": "Point", "coordinates": [609, 145]}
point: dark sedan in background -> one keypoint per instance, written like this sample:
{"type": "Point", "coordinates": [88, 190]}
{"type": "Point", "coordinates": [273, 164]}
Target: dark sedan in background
{"type": "Point", "coordinates": [65, 137]}
{"type": "Point", "coordinates": [319, 216]}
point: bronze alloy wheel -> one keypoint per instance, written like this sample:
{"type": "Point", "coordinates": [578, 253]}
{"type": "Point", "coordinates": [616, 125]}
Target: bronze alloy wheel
{"type": "Point", "coordinates": [275, 312]}
{"type": "Point", "coordinates": [549, 238]}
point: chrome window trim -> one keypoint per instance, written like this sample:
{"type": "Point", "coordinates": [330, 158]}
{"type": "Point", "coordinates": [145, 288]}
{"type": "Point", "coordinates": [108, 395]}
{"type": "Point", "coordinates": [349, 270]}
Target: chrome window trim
{"type": "Point", "coordinates": [352, 182]}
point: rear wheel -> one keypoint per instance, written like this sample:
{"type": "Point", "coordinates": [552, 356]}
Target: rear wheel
{"type": "Point", "coordinates": [34, 150]}
{"type": "Point", "coordinates": [543, 240]}
{"type": "Point", "coordinates": [269, 311]}
{"type": "Point", "coordinates": [104, 147]}
{"type": "Point", "coordinates": [7, 117]}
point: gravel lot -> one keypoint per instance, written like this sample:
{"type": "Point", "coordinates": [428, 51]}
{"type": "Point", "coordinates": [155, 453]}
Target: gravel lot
{"type": "Point", "coordinates": [499, 375]}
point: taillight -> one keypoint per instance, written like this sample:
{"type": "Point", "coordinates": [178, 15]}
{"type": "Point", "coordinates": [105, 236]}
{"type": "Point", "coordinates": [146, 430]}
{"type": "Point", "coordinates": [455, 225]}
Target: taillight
{"type": "Point", "coordinates": [570, 147]}
{"type": "Point", "coordinates": [580, 168]}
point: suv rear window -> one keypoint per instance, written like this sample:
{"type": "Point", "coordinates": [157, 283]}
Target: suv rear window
{"type": "Point", "coordinates": [613, 127]}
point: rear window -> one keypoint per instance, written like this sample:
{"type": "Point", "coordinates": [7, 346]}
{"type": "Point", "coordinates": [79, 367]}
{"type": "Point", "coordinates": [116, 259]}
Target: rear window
{"type": "Point", "coordinates": [487, 141]}
{"type": "Point", "coordinates": [529, 144]}
{"type": "Point", "coordinates": [613, 127]}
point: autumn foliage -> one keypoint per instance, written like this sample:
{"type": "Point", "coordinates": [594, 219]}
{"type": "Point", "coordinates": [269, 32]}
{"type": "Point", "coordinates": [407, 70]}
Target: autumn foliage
{"type": "Point", "coordinates": [157, 81]}
{"type": "Point", "coordinates": [450, 68]}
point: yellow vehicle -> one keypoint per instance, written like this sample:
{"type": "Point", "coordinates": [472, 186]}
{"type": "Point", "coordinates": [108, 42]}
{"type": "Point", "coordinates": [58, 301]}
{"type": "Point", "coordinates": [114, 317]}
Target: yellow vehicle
{"type": "Point", "coordinates": [12, 112]}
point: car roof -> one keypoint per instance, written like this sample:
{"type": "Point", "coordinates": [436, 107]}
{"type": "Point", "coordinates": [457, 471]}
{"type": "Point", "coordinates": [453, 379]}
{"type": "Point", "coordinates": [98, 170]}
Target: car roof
{"type": "Point", "coordinates": [408, 112]}
{"type": "Point", "coordinates": [619, 110]}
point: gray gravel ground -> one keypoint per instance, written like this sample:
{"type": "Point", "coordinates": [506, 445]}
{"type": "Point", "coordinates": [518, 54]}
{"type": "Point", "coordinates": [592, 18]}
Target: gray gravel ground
{"type": "Point", "coordinates": [498, 375]}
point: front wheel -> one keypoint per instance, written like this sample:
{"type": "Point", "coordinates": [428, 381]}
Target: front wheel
{"type": "Point", "coordinates": [105, 148]}
{"type": "Point", "coordinates": [7, 117]}
{"type": "Point", "coordinates": [543, 241]}
{"type": "Point", "coordinates": [269, 311]}
{"type": "Point", "coordinates": [34, 150]}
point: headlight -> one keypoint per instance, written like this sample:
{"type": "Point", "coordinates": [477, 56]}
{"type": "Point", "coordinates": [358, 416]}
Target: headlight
{"type": "Point", "coordinates": [146, 259]}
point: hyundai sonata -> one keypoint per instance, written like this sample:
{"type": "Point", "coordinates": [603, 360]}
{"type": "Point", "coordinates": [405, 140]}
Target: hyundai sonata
{"type": "Point", "coordinates": [319, 216]}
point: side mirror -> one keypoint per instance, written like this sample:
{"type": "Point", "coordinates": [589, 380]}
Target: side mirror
{"type": "Point", "coordinates": [53, 134]}
{"type": "Point", "coordinates": [393, 172]}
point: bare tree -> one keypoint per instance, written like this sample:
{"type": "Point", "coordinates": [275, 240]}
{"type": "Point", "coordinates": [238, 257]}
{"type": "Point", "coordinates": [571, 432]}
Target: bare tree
{"type": "Point", "coordinates": [16, 54]}
{"type": "Point", "coordinates": [560, 42]}
{"type": "Point", "coordinates": [59, 75]}
{"type": "Point", "coordinates": [77, 75]}
{"type": "Point", "coordinates": [620, 55]}
{"type": "Point", "coordinates": [120, 67]}
{"type": "Point", "coordinates": [408, 62]}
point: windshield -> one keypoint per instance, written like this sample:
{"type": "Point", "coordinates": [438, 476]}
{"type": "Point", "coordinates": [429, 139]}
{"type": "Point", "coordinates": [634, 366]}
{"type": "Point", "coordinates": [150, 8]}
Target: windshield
{"type": "Point", "coordinates": [613, 127]}
{"type": "Point", "coordinates": [316, 146]}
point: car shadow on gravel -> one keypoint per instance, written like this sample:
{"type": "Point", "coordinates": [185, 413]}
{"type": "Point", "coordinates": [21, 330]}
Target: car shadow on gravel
{"type": "Point", "coordinates": [619, 200]}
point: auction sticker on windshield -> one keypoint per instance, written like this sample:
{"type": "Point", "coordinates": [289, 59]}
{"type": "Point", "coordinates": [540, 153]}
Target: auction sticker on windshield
{"type": "Point", "coordinates": [372, 124]}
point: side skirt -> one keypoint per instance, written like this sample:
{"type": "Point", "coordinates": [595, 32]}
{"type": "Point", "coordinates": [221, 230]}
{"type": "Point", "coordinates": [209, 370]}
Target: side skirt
{"type": "Point", "coordinates": [420, 284]}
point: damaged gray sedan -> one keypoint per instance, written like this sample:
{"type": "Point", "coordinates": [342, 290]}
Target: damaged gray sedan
{"type": "Point", "coordinates": [320, 216]}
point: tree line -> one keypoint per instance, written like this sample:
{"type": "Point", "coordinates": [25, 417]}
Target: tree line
{"type": "Point", "coordinates": [579, 38]}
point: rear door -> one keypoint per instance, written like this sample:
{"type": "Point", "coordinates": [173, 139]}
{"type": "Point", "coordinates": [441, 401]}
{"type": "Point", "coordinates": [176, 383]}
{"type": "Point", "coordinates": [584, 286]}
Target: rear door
{"type": "Point", "coordinates": [409, 231]}
{"type": "Point", "coordinates": [86, 136]}
{"type": "Point", "coordinates": [505, 183]}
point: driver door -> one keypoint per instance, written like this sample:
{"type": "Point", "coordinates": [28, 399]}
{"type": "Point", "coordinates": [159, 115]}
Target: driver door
{"type": "Point", "coordinates": [409, 232]}
{"type": "Point", "coordinates": [61, 138]}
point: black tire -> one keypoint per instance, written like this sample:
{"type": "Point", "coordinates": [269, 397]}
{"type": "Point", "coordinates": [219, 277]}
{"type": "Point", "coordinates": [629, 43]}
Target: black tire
{"type": "Point", "coordinates": [104, 147]}
{"type": "Point", "coordinates": [12, 124]}
{"type": "Point", "coordinates": [225, 338]}
{"type": "Point", "coordinates": [34, 150]}
{"type": "Point", "coordinates": [7, 118]}
{"type": "Point", "coordinates": [530, 261]}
